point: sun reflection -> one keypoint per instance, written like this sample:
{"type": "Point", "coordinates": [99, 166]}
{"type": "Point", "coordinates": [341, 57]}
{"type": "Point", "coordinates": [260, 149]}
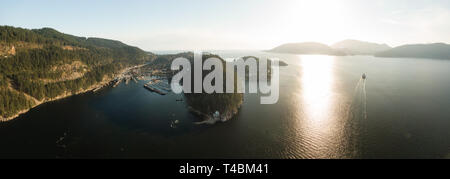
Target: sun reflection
{"type": "Point", "coordinates": [316, 83]}
{"type": "Point", "coordinates": [318, 125]}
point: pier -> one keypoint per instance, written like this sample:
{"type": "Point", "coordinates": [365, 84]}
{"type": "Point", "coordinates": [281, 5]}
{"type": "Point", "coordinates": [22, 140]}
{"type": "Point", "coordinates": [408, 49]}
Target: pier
{"type": "Point", "coordinates": [137, 73]}
{"type": "Point", "coordinates": [158, 86]}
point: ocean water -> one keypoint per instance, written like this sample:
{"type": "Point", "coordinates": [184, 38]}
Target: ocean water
{"type": "Point", "coordinates": [325, 110]}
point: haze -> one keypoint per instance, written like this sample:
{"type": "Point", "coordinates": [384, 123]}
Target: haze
{"type": "Point", "coordinates": [237, 24]}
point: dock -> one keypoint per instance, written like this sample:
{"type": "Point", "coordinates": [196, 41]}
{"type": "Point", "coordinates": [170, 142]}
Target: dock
{"type": "Point", "coordinates": [152, 89]}
{"type": "Point", "coordinates": [158, 86]}
{"type": "Point", "coordinates": [117, 83]}
{"type": "Point", "coordinates": [134, 79]}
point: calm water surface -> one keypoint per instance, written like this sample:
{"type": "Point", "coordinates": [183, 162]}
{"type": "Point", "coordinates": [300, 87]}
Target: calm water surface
{"type": "Point", "coordinates": [324, 111]}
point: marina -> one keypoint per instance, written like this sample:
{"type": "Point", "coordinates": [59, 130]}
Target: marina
{"type": "Point", "coordinates": [135, 73]}
{"type": "Point", "coordinates": [158, 82]}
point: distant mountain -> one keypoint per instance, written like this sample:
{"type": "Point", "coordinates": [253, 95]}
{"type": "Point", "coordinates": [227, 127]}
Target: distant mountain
{"type": "Point", "coordinates": [307, 48]}
{"type": "Point", "coordinates": [433, 51]}
{"type": "Point", "coordinates": [355, 47]}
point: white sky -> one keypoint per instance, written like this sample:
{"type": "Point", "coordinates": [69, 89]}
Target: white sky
{"type": "Point", "coordinates": [237, 24]}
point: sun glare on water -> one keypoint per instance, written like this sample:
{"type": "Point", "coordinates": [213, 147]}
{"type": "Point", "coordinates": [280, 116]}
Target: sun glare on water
{"type": "Point", "coordinates": [317, 124]}
{"type": "Point", "coordinates": [316, 83]}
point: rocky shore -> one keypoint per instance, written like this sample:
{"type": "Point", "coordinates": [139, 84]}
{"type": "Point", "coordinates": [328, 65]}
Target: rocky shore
{"type": "Point", "coordinates": [217, 116]}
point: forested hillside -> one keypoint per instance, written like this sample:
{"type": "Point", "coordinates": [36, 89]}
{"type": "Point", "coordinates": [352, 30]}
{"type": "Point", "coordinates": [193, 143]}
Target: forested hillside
{"type": "Point", "coordinates": [42, 64]}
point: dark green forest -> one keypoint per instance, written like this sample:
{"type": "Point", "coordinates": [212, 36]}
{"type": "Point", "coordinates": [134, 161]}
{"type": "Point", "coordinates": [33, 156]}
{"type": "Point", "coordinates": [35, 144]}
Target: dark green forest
{"type": "Point", "coordinates": [210, 103]}
{"type": "Point", "coordinates": [37, 54]}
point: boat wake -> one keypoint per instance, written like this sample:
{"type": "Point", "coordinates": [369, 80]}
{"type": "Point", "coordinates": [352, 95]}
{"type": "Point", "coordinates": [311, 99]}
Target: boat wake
{"type": "Point", "coordinates": [359, 104]}
{"type": "Point", "coordinates": [354, 121]}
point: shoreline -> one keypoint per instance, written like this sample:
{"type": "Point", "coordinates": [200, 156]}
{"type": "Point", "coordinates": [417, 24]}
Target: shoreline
{"type": "Point", "coordinates": [210, 119]}
{"type": "Point", "coordinates": [100, 85]}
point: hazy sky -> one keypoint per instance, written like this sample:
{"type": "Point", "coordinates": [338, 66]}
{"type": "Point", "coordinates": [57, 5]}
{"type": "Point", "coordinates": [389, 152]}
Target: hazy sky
{"type": "Point", "coordinates": [236, 24]}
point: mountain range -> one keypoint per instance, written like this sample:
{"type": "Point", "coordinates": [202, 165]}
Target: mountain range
{"type": "Point", "coordinates": [355, 47]}
{"type": "Point", "coordinates": [307, 48]}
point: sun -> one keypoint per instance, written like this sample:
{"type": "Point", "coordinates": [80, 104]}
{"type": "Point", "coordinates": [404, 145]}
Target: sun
{"type": "Point", "coordinates": [325, 21]}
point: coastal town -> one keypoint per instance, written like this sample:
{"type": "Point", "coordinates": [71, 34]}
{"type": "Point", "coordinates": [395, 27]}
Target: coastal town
{"type": "Point", "coordinates": [158, 83]}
